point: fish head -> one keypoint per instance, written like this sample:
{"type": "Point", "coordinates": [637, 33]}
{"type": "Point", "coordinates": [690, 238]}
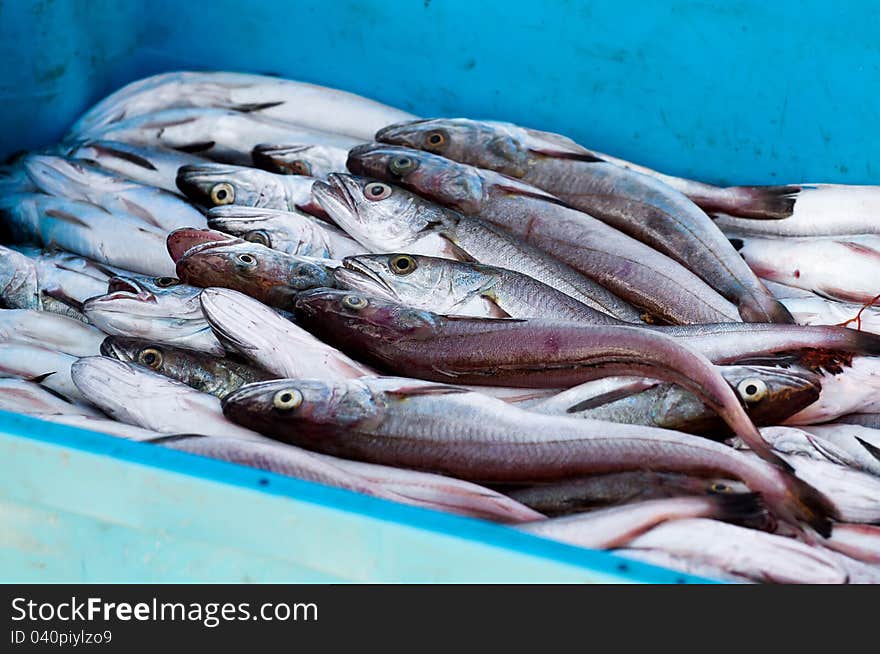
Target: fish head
{"type": "Point", "coordinates": [214, 185]}
{"type": "Point", "coordinates": [140, 351]}
{"type": "Point", "coordinates": [490, 145]}
{"type": "Point", "coordinates": [182, 240]}
{"type": "Point", "coordinates": [448, 182]}
{"type": "Point", "coordinates": [268, 227]}
{"type": "Point", "coordinates": [276, 407]}
{"type": "Point", "coordinates": [772, 394]}
{"type": "Point", "coordinates": [412, 279]}
{"type": "Point", "coordinates": [310, 160]}
{"type": "Point", "coordinates": [253, 269]}
{"type": "Point", "coordinates": [142, 297]}
{"type": "Point", "coordinates": [357, 312]}
{"type": "Point", "coordinates": [380, 216]}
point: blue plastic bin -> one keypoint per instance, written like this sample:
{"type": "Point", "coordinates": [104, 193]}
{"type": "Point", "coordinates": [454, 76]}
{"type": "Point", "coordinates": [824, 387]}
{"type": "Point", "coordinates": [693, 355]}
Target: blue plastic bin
{"type": "Point", "coordinates": [741, 91]}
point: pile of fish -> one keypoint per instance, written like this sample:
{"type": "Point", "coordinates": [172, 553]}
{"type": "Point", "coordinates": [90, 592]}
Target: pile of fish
{"type": "Point", "coordinates": [470, 316]}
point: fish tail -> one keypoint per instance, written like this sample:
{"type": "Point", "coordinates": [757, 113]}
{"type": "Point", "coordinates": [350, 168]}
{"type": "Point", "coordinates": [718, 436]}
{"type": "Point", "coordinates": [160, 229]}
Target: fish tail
{"type": "Point", "coordinates": [806, 504]}
{"type": "Point", "coordinates": [764, 308]}
{"type": "Point", "coordinates": [741, 508]}
{"type": "Point", "coordinates": [760, 202]}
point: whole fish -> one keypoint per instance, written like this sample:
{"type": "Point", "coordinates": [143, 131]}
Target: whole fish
{"type": "Point", "coordinates": [522, 353]}
{"type": "Point", "coordinates": [50, 331]}
{"type": "Point", "coordinates": [748, 552]}
{"type": "Point", "coordinates": [293, 232]}
{"type": "Point", "coordinates": [613, 489]}
{"type": "Point", "coordinates": [840, 268]}
{"type": "Point", "coordinates": [616, 526]}
{"type": "Point", "coordinates": [315, 106]}
{"type": "Point", "coordinates": [871, 420]}
{"type": "Point", "coordinates": [840, 448]}
{"type": "Point", "coordinates": [260, 335]}
{"type": "Point", "coordinates": [49, 368]}
{"type": "Point", "coordinates": [138, 396]}
{"type": "Point", "coordinates": [636, 204]}
{"type": "Point", "coordinates": [21, 396]}
{"type": "Point", "coordinates": [444, 429]}
{"type": "Point", "coordinates": [147, 165]}
{"type": "Point", "coordinates": [861, 542]}
{"type": "Point", "coordinates": [75, 180]}
{"type": "Point", "coordinates": [216, 185]}
{"type": "Point", "coordinates": [312, 160]}
{"type": "Point", "coordinates": [159, 309]}
{"type": "Point", "coordinates": [87, 230]}
{"type": "Point", "coordinates": [419, 488]}
{"type": "Point", "coordinates": [634, 271]}
{"type": "Point", "coordinates": [769, 395]}
{"type": "Point", "coordinates": [447, 286]}
{"type": "Point", "coordinates": [218, 134]}
{"type": "Point", "coordinates": [204, 372]}
{"type": "Point", "coordinates": [271, 276]}
{"type": "Point", "coordinates": [397, 220]}
{"type": "Point", "coordinates": [854, 389]}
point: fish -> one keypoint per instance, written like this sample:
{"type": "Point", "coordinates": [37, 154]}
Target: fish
{"type": "Point", "coordinates": [403, 486]}
{"type": "Point", "coordinates": [318, 107]}
{"type": "Point", "coordinates": [222, 135]}
{"type": "Point", "coordinates": [204, 372]}
{"type": "Point", "coordinates": [769, 395]}
{"type": "Point", "coordinates": [217, 185]}
{"type": "Point", "coordinates": [312, 160]}
{"type": "Point", "coordinates": [618, 488]}
{"type": "Point", "coordinates": [618, 525]}
{"type": "Point", "coordinates": [449, 430]}
{"type": "Point", "coordinates": [402, 221]}
{"type": "Point", "coordinates": [30, 398]}
{"type": "Point", "coordinates": [666, 290]}
{"type": "Point", "coordinates": [260, 335]}
{"type": "Point", "coordinates": [861, 542]}
{"type": "Point", "coordinates": [513, 352]}
{"type": "Point", "coordinates": [49, 368]}
{"type": "Point", "coordinates": [639, 205]}
{"type": "Point", "coordinates": [138, 396]}
{"type": "Point", "coordinates": [87, 230]}
{"type": "Point", "coordinates": [268, 275]}
{"type": "Point", "coordinates": [754, 554]}
{"type": "Point", "coordinates": [152, 166]}
{"type": "Point", "coordinates": [49, 331]}
{"type": "Point", "coordinates": [446, 286]}
{"type": "Point", "coordinates": [853, 389]}
{"type": "Point", "coordinates": [841, 268]}
{"type": "Point", "coordinates": [293, 232]}
{"type": "Point", "coordinates": [160, 309]}
{"type": "Point", "coordinates": [19, 281]}
{"type": "Point", "coordinates": [76, 180]}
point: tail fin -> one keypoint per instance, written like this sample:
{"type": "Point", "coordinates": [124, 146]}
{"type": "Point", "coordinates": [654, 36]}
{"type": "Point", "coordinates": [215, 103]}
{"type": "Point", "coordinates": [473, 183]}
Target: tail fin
{"type": "Point", "coordinates": [764, 309]}
{"type": "Point", "coordinates": [810, 506]}
{"type": "Point", "coordinates": [746, 509]}
{"type": "Point", "coordinates": [762, 202]}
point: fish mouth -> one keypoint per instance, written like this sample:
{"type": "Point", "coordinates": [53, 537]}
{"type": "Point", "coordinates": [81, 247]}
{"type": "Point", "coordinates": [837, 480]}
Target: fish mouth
{"type": "Point", "coordinates": [183, 241]}
{"type": "Point", "coordinates": [193, 179]}
{"type": "Point", "coordinates": [112, 350]}
{"type": "Point", "coordinates": [126, 288]}
{"type": "Point", "coordinates": [334, 198]}
{"type": "Point", "coordinates": [389, 133]}
{"type": "Point", "coordinates": [353, 272]}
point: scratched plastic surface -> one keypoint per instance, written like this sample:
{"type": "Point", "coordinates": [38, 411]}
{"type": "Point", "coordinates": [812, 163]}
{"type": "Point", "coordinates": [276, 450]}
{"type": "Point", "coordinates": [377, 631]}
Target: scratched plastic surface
{"type": "Point", "coordinates": [743, 91]}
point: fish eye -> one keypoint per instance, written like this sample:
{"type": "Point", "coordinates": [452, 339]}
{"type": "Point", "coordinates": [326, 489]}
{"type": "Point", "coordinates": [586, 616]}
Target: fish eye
{"type": "Point", "coordinates": [165, 282]}
{"type": "Point", "coordinates": [377, 191]}
{"type": "Point", "coordinates": [435, 140]}
{"type": "Point", "coordinates": [299, 167]}
{"type": "Point", "coordinates": [222, 193]}
{"type": "Point", "coordinates": [752, 389]}
{"type": "Point", "coordinates": [258, 236]}
{"type": "Point", "coordinates": [718, 487]}
{"type": "Point", "coordinates": [150, 357]}
{"type": "Point", "coordinates": [402, 165]}
{"type": "Point", "coordinates": [402, 264]}
{"type": "Point", "coordinates": [355, 302]}
{"type": "Point", "coordinates": [246, 260]}
{"type": "Point", "coordinates": [287, 399]}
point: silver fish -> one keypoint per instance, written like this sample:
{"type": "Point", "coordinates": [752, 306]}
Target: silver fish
{"type": "Point", "coordinates": [75, 180]}
{"type": "Point", "coordinates": [51, 331]}
{"type": "Point", "coordinates": [318, 107]}
{"type": "Point", "coordinates": [159, 309]}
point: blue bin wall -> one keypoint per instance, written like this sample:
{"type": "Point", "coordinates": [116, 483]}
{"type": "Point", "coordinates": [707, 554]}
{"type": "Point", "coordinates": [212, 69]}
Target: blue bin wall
{"type": "Point", "coordinates": [744, 91]}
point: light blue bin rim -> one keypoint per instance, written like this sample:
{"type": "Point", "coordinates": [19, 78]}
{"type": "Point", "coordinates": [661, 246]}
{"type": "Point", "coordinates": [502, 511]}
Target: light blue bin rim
{"type": "Point", "coordinates": [146, 454]}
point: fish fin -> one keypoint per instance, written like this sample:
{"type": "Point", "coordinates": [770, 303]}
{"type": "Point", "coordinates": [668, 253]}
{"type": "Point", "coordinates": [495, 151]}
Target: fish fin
{"type": "Point", "coordinates": [826, 450]}
{"type": "Point", "coordinates": [764, 202]}
{"type": "Point", "coordinates": [812, 506]}
{"type": "Point", "coordinates": [741, 508]}
{"type": "Point", "coordinates": [137, 210]}
{"type": "Point", "coordinates": [415, 391]}
{"type": "Point", "coordinates": [873, 450]}
{"type": "Point", "coordinates": [491, 300]}
{"type": "Point", "coordinates": [252, 107]}
{"type": "Point", "coordinates": [66, 217]}
{"type": "Point", "coordinates": [137, 160]}
{"type": "Point", "coordinates": [737, 243]}
{"type": "Point", "coordinates": [511, 187]}
{"type": "Point", "coordinates": [193, 148]}
{"type": "Point", "coordinates": [61, 296]}
{"type": "Point", "coordinates": [484, 319]}
{"type": "Point", "coordinates": [764, 308]}
{"type": "Point", "coordinates": [860, 249]}
{"type": "Point", "coordinates": [164, 124]}
{"type": "Point", "coordinates": [454, 250]}
{"type": "Point", "coordinates": [609, 397]}
{"type": "Point", "coordinates": [39, 379]}
{"type": "Point", "coordinates": [558, 146]}
{"type": "Point", "coordinates": [170, 438]}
